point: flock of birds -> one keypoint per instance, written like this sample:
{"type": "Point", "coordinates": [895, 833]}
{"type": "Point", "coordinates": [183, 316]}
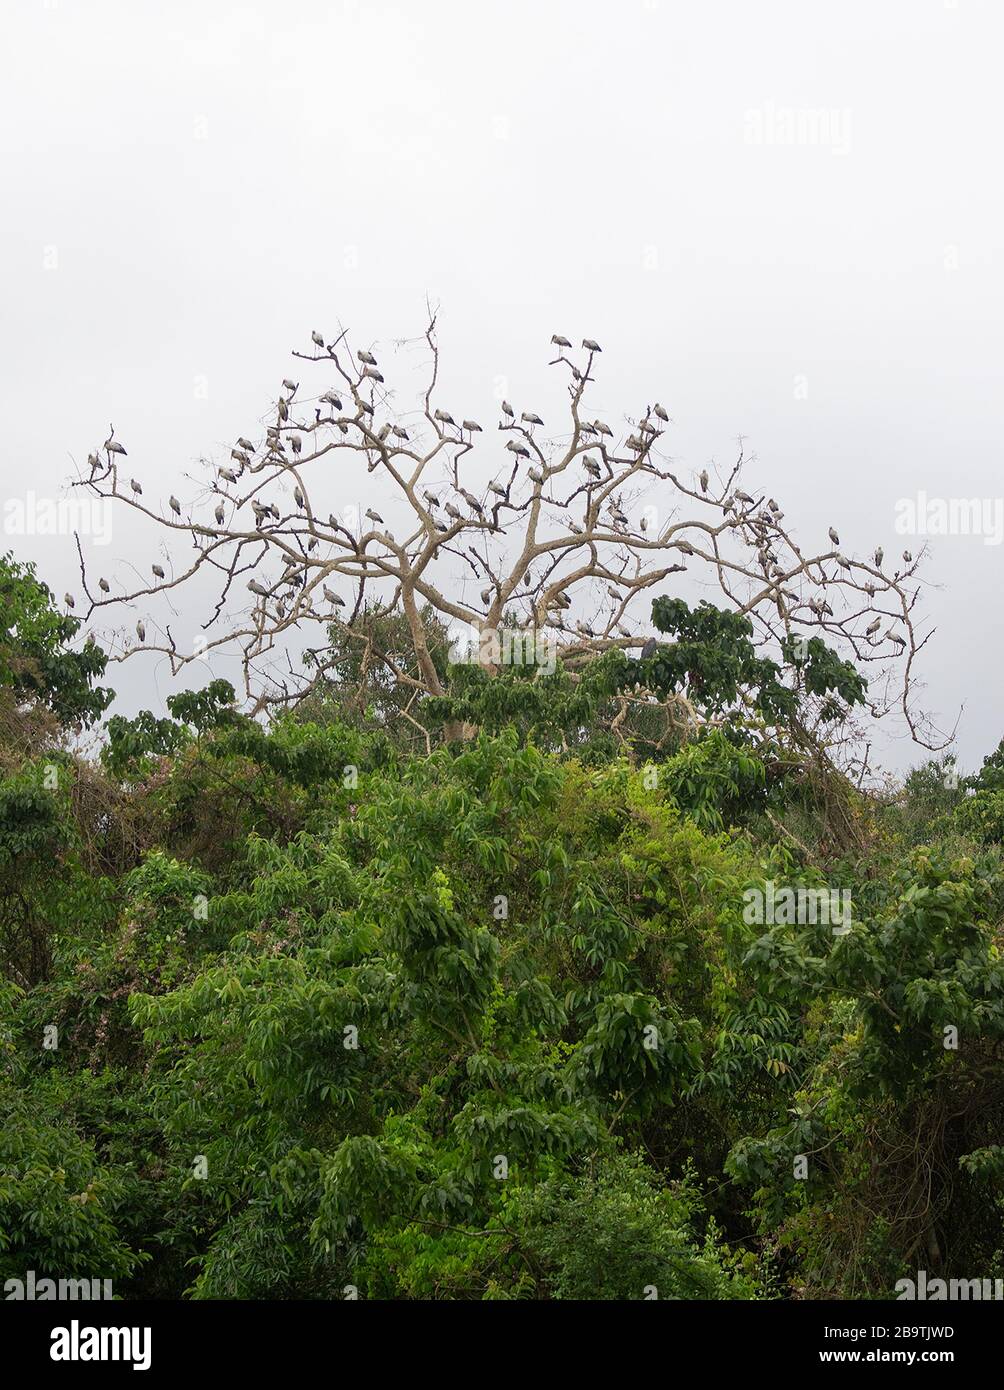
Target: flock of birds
{"type": "Point", "coordinates": [759, 521]}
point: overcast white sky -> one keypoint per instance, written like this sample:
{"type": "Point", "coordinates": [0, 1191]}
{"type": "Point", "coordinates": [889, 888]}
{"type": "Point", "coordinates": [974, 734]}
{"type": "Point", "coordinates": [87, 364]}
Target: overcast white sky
{"type": "Point", "coordinates": [190, 188]}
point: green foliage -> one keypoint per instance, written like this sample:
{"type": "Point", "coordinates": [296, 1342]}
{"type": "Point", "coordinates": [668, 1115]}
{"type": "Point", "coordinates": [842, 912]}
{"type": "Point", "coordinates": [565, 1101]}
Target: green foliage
{"type": "Point", "coordinates": [134, 744]}
{"type": "Point", "coordinates": [714, 661]}
{"type": "Point", "coordinates": [981, 816]}
{"type": "Point", "coordinates": [918, 1001]}
{"type": "Point", "coordinates": [617, 1233]}
{"type": "Point", "coordinates": [60, 1206]}
{"type": "Point", "coordinates": [825, 674]}
{"type": "Point", "coordinates": [358, 689]}
{"type": "Point", "coordinates": [550, 707]}
{"type": "Point", "coordinates": [339, 1014]}
{"type": "Point", "coordinates": [715, 780]}
{"type": "Point", "coordinates": [930, 794]}
{"type": "Point", "coordinates": [37, 662]}
{"type": "Point", "coordinates": [30, 823]}
{"type": "Point", "coordinates": [990, 777]}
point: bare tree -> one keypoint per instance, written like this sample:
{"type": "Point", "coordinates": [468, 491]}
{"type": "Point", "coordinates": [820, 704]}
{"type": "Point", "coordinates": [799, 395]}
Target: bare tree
{"type": "Point", "coordinates": [556, 541]}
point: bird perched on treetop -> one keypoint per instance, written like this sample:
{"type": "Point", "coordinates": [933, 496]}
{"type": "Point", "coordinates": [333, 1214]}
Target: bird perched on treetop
{"type": "Point", "coordinates": [111, 444]}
